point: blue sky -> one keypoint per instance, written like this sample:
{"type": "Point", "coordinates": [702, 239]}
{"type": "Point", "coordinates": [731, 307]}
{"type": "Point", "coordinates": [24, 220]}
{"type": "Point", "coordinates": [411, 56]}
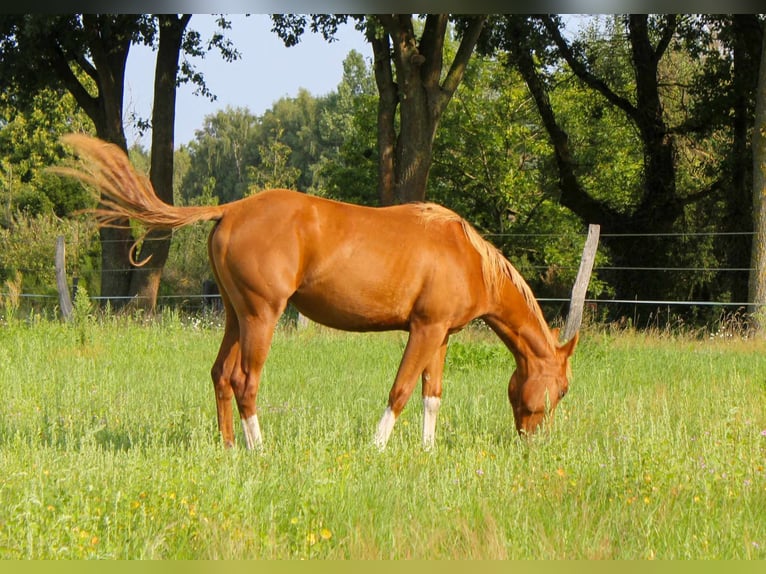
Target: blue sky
{"type": "Point", "coordinates": [265, 72]}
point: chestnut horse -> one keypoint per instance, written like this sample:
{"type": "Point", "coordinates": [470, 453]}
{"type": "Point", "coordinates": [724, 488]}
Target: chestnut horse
{"type": "Point", "coordinates": [418, 268]}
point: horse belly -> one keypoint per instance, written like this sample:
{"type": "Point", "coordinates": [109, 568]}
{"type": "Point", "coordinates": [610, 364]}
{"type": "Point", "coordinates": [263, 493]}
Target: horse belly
{"type": "Point", "coordinates": [387, 298]}
{"type": "Point", "coordinates": [353, 306]}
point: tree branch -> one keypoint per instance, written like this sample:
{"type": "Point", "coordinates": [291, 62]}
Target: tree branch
{"type": "Point", "coordinates": [572, 194]}
{"type": "Point", "coordinates": [671, 23]}
{"type": "Point", "coordinates": [463, 55]}
{"type": "Point", "coordinates": [431, 48]}
{"type": "Point", "coordinates": [60, 65]}
{"type": "Point", "coordinates": [714, 187]}
{"type": "Point", "coordinates": [582, 72]}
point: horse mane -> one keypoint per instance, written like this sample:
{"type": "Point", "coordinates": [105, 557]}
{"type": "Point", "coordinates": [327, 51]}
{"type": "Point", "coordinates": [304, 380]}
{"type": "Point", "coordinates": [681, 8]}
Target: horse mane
{"type": "Point", "coordinates": [495, 268]}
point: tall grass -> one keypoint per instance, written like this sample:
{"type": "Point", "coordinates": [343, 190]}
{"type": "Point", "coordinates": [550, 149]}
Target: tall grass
{"type": "Point", "coordinates": [109, 449]}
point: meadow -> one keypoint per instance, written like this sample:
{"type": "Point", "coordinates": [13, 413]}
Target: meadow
{"type": "Point", "coordinates": [109, 449]}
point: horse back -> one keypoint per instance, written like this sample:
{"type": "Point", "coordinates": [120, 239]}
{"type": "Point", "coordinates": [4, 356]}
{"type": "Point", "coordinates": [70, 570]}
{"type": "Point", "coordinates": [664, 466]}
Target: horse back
{"type": "Point", "coordinates": [348, 266]}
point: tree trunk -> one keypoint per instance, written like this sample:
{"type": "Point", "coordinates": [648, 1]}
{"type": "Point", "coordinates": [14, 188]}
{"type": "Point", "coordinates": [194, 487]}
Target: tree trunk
{"type": "Point", "coordinates": [757, 285]}
{"type": "Point", "coordinates": [417, 121]}
{"type": "Point", "coordinates": [420, 95]}
{"type": "Point", "coordinates": [387, 100]}
{"type": "Point", "coordinates": [109, 43]}
{"type": "Point", "coordinates": [108, 40]}
{"type": "Point", "coordinates": [116, 242]}
{"type": "Point", "coordinates": [145, 280]}
{"type": "Point", "coordinates": [660, 205]}
{"type": "Point", "coordinates": [738, 216]}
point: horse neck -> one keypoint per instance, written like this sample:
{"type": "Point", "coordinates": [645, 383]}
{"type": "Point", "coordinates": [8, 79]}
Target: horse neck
{"type": "Point", "coordinates": [518, 325]}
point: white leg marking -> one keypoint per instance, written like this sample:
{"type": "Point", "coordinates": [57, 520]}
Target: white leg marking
{"type": "Point", "coordinates": [252, 432]}
{"type": "Point", "coordinates": [430, 410]}
{"type": "Point", "coordinates": [385, 426]}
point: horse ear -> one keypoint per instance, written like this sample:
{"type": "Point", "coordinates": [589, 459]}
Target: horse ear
{"type": "Point", "coordinates": [569, 347]}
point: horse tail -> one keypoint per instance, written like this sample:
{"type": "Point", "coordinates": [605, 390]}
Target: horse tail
{"type": "Point", "coordinates": [124, 192]}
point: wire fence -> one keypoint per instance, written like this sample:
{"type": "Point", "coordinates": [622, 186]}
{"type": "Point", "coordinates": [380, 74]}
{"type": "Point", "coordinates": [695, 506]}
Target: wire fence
{"type": "Point", "coordinates": [200, 299]}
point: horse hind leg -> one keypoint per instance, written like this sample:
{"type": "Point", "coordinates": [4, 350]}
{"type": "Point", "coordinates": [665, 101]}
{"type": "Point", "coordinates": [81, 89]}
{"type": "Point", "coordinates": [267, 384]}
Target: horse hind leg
{"type": "Point", "coordinates": [237, 369]}
{"type": "Point", "coordinates": [256, 333]}
{"type": "Point", "coordinates": [226, 370]}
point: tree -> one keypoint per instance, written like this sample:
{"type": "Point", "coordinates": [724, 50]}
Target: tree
{"type": "Point", "coordinates": [348, 170]}
{"type": "Point", "coordinates": [37, 205]}
{"type": "Point", "coordinates": [758, 266]}
{"type": "Point", "coordinates": [721, 112]}
{"type": "Point", "coordinates": [491, 166]}
{"type": "Point", "coordinates": [86, 54]}
{"type": "Point", "coordinates": [273, 171]}
{"type": "Point", "coordinates": [413, 87]}
{"type": "Point", "coordinates": [668, 186]}
{"type": "Point", "coordinates": [219, 156]}
{"type": "Point", "coordinates": [145, 280]}
{"type": "Point", "coordinates": [297, 143]}
{"type": "Point", "coordinates": [290, 141]}
{"type": "Point", "coordinates": [28, 144]}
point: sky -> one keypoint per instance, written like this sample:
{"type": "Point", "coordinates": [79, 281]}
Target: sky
{"type": "Point", "coordinates": [265, 72]}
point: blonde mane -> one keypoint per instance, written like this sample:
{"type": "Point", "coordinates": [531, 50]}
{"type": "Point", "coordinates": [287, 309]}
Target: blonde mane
{"type": "Point", "coordinates": [495, 268]}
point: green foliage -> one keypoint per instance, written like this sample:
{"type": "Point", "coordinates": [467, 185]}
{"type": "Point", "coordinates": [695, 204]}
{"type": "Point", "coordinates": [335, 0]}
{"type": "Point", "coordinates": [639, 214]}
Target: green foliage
{"type": "Point", "coordinates": [11, 298]}
{"type": "Point", "coordinates": [29, 142]}
{"type": "Point", "coordinates": [110, 450]}
{"type": "Point", "coordinates": [491, 165]}
{"type": "Point", "coordinates": [492, 158]}
{"type": "Point", "coordinates": [187, 266]}
{"type": "Point", "coordinates": [606, 145]}
{"type": "Point", "coordinates": [82, 316]}
{"type": "Point", "coordinates": [29, 245]}
{"type": "Point", "coordinates": [348, 171]}
{"type": "Point", "coordinates": [220, 155]}
{"type": "Point", "coordinates": [290, 130]}
{"type": "Point", "coordinates": [36, 205]}
{"type": "Point", "coordinates": [82, 311]}
{"type": "Point", "coordinates": [313, 144]}
{"type": "Point", "coordinates": [274, 171]}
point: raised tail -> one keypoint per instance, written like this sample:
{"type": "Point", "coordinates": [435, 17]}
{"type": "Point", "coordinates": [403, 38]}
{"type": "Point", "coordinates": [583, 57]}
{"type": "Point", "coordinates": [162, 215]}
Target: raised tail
{"type": "Point", "coordinates": [124, 192]}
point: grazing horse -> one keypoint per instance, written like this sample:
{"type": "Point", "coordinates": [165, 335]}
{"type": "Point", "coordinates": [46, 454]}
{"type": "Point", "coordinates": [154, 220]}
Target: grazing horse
{"type": "Point", "coordinates": [419, 268]}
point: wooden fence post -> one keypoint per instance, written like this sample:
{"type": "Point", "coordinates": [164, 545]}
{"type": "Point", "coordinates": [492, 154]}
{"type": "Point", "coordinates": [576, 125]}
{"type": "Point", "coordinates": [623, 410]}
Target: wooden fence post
{"type": "Point", "coordinates": [577, 301]}
{"type": "Point", "coordinates": [65, 301]}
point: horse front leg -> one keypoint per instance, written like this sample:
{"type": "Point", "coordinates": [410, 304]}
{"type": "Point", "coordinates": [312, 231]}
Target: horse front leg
{"type": "Point", "coordinates": [423, 343]}
{"type": "Point", "coordinates": [432, 393]}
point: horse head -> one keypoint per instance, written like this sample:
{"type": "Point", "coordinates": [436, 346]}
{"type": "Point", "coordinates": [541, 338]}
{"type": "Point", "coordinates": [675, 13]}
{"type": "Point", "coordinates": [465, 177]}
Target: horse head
{"type": "Point", "coordinates": [537, 387]}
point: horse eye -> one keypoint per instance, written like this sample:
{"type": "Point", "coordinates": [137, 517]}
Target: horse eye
{"type": "Point", "coordinates": [562, 392]}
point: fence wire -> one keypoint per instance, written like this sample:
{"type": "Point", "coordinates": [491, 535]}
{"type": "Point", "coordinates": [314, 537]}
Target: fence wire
{"type": "Point", "coordinates": [592, 301]}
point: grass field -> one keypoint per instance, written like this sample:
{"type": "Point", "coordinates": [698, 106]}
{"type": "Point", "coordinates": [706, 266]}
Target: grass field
{"type": "Point", "coordinates": [109, 449]}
